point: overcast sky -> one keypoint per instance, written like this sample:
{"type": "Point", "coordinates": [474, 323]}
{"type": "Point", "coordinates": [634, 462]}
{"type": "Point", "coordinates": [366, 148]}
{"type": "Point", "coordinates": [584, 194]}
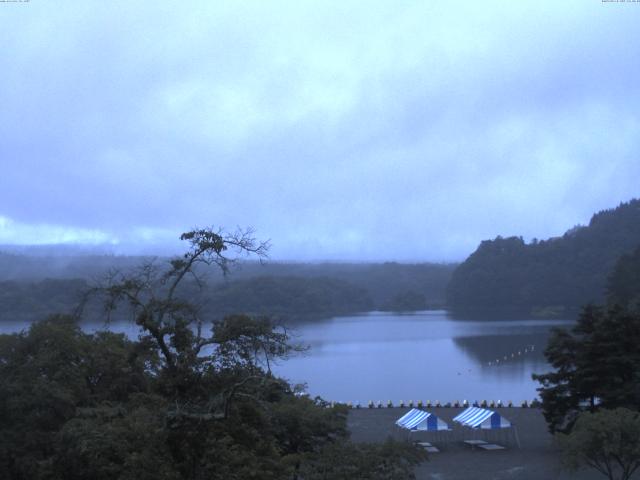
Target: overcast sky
{"type": "Point", "coordinates": [345, 130]}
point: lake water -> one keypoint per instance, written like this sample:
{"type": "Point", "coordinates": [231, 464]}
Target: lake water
{"type": "Point", "coordinates": [421, 356]}
{"type": "Point", "coordinates": [416, 356]}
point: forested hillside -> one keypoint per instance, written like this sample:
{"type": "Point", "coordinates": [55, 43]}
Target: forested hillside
{"type": "Point", "coordinates": [550, 275]}
{"type": "Point", "coordinates": [384, 282]}
{"type": "Point", "coordinates": [288, 297]}
{"type": "Point", "coordinates": [33, 286]}
{"type": "Point", "coordinates": [30, 301]}
{"type": "Point", "coordinates": [623, 286]}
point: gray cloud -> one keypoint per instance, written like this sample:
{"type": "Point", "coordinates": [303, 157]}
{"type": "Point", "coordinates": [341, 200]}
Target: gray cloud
{"type": "Point", "coordinates": [340, 130]}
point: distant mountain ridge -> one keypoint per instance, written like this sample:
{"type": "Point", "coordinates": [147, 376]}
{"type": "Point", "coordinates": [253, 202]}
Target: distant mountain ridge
{"type": "Point", "coordinates": [547, 276]}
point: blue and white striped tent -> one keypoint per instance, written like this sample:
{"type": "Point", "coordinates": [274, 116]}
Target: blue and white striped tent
{"type": "Point", "coordinates": [419, 420]}
{"type": "Point", "coordinates": [476, 417]}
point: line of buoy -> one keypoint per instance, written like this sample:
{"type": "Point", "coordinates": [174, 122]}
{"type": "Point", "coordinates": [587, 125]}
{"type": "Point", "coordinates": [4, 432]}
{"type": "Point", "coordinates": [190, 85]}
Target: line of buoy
{"type": "Point", "coordinates": [505, 358]}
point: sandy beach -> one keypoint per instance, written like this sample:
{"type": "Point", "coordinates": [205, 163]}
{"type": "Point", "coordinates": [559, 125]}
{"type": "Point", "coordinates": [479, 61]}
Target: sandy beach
{"type": "Point", "coordinates": [535, 459]}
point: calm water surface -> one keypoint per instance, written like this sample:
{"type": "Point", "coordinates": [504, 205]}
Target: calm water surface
{"type": "Point", "coordinates": [420, 356]}
{"type": "Point", "coordinates": [416, 356]}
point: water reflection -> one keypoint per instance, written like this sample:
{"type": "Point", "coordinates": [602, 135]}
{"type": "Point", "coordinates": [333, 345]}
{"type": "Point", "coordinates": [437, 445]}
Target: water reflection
{"type": "Point", "coordinates": [425, 355]}
{"type": "Point", "coordinates": [499, 314]}
{"type": "Point", "coordinates": [500, 350]}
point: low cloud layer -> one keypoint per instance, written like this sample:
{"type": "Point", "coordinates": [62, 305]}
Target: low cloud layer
{"type": "Point", "coordinates": [339, 130]}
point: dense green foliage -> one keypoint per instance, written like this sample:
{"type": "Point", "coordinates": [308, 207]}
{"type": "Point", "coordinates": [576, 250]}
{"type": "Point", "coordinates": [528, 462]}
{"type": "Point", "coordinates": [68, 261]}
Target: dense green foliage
{"type": "Point", "coordinates": [608, 441]}
{"type": "Point", "coordinates": [596, 365]}
{"type": "Point", "coordinates": [76, 406]}
{"type": "Point", "coordinates": [55, 381]}
{"type": "Point", "coordinates": [188, 400]}
{"type": "Point", "coordinates": [567, 271]}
